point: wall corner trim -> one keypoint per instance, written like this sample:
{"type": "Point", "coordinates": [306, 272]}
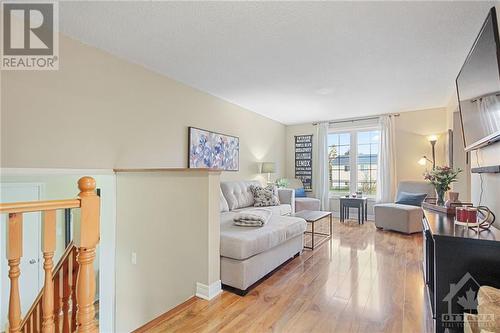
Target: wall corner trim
{"type": "Point", "coordinates": [208, 292]}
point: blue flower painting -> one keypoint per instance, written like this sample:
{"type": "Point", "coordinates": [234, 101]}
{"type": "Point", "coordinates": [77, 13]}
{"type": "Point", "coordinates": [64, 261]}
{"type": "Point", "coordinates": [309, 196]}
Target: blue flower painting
{"type": "Point", "coordinates": [213, 150]}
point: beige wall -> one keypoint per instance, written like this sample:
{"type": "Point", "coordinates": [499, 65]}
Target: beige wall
{"type": "Point", "coordinates": [412, 129]}
{"type": "Point", "coordinates": [98, 111]}
{"type": "Point", "coordinates": [171, 221]}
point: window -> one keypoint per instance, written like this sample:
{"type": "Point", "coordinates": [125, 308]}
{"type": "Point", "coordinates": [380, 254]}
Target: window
{"type": "Point", "coordinates": [346, 174]}
{"type": "Point", "coordinates": [338, 154]}
{"type": "Point", "coordinates": [367, 162]}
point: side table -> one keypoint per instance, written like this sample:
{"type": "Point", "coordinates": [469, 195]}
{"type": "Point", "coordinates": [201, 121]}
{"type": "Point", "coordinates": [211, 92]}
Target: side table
{"type": "Point", "coordinates": [360, 203]}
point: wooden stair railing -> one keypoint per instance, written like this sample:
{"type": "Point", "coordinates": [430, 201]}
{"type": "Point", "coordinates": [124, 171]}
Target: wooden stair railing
{"type": "Point", "coordinates": [44, 315]}
{"type": "Point", "coordinates": [68, 267]}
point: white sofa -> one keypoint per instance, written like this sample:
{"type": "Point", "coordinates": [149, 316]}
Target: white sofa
{"type": "Point", "coordinates": [250, 253]}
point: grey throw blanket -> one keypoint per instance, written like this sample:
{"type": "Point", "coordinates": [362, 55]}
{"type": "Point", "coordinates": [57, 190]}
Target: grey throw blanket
{"type": "Point", "coordinates": [252, 217]}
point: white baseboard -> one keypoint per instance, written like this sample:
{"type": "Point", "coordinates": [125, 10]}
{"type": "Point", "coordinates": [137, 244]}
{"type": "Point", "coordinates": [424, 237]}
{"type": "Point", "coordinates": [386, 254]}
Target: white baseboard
{"type": "Point", "coordinates": [208, 292]}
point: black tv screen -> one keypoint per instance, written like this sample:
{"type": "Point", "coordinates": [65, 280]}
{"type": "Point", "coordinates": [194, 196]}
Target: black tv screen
{"type": "Point", "coordinates": [478, 88]}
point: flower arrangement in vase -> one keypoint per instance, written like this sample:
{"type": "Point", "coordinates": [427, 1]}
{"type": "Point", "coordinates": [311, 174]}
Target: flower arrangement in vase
{"type": "Point", "coordinates": [441, 178]}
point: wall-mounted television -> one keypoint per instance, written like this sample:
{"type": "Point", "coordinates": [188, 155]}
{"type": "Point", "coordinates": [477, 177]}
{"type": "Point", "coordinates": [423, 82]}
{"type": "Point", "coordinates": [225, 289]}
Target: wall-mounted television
{"type": "Point", "coordinates": [478, 88]}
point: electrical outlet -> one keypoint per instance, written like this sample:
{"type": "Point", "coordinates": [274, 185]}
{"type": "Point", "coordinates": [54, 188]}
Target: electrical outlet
{"type": "Point", "coordinates": [133, 258]}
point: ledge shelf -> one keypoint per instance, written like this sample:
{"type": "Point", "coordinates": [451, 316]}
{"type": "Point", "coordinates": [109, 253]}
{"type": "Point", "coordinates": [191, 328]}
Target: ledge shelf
{"type": "Point", "coordinates": [487, 169]}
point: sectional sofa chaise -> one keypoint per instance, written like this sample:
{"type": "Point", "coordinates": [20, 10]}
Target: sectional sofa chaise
{"type": "Point", "coordinates": [250, 253]}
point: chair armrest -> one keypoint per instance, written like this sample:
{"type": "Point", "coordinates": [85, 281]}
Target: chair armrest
{"type": "Point", "coordinates": [287, 196]}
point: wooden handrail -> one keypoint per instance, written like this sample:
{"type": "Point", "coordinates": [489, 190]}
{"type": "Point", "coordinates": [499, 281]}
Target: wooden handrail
{"type": "Point", "coordinates": [38, 206]}
{"type": "Point", "coordinates": [70, 287]}
{"type": "Point", "coordinates": [57, 269]}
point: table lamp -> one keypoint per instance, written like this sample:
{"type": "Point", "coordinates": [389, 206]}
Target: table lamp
{"type": "Point", "coordinates": [269, 168]}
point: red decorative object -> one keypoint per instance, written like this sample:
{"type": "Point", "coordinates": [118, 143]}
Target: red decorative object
{"type": "Point", "coordinates": [461, 214]}
{"type": "Point", "coordinates": [471, 214]}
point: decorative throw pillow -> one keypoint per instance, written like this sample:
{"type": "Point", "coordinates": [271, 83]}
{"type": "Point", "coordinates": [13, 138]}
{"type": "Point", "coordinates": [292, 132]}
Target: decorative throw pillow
{"type": "Point", "coordinates": [300, 193]}
{"type": "Point", "coordinates": [264, 196]}
{"type": "Point", "coordinates": [412, 199]}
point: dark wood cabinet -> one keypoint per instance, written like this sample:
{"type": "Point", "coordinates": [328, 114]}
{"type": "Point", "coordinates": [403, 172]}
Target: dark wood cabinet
{"type": "Point", "coordinates": [456, 262]}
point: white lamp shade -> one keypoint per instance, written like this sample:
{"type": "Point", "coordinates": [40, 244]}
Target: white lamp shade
{"type": "Point", "coordinates": [432, 138]}
{"type": "Point", "coordinates": [422, 161]}
{"type": "Point", "coordinates": [268, 167]}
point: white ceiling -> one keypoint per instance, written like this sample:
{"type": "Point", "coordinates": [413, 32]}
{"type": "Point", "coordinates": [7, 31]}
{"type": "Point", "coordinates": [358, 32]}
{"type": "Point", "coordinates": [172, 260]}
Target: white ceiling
{"type": "Point", "coordinates": [292, 61]}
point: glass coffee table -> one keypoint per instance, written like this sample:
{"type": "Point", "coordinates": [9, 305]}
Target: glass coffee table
{"type": "Point", "coordinates": [313, 216]}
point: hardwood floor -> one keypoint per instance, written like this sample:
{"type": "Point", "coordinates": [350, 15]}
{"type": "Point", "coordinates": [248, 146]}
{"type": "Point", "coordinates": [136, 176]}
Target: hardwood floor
{"type": "Point", "coordinates": [363, 280]}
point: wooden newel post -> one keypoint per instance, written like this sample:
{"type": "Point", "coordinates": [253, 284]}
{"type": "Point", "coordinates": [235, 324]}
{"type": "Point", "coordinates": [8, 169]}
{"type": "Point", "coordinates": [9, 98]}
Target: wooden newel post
{"type": "Point", "coordinates": [86, 240]}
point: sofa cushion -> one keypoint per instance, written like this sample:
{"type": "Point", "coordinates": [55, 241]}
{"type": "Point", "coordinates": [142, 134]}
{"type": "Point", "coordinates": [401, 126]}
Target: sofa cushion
{"type": "Point", "coordinates": [283, 209]}
{"type": "Point", "coordinates": [241, 243]}
{"type": "Point", "coordinates": [238, 194]}
{"type": "Point", "coordinates": [265, 196]}
{"type": "Point", "coordinates": [223, 202]}
{"type": "Point", "coordinates": [397, 207]}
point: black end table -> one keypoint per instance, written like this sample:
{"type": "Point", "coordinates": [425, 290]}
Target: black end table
{"type": "Point", "coordinates": [360, 203]}
{"type": "Point", "coordinates": [313, 216]}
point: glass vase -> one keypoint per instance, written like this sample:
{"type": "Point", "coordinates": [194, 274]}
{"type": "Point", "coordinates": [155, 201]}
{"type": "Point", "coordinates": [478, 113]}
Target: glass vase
{"type": "Point", "coordinates": [440, 196]}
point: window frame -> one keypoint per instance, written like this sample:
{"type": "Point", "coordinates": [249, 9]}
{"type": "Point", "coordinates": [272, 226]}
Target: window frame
{"type": "Point", "coordinates": [353, 162]}
{"type": "Point", "coordinates": [338, 194]}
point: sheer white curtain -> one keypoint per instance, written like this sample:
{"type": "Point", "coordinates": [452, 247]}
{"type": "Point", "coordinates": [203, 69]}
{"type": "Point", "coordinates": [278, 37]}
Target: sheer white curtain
{"type": "Point", "coordinates": [489, 112]}
{"type": "Point", "coordinates": [321, 187]}
{"type": "Point", "coordinates": [386, 169]}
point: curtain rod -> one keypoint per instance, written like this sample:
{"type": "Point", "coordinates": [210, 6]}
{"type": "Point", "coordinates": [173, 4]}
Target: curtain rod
{"type": "Point", "coordinates": [351, 120]}
{"type": "Point", "coordinates": [475, 99]}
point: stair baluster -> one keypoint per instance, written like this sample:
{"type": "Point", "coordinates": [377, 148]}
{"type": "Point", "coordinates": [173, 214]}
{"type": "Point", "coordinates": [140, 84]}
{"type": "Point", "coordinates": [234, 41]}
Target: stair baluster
{"type": "Point", "coordinates": [74, 275]}
{"type": "Point", "coordinates": [57, 301]}
{"type": "Point", "coordinates": [66, 297]}
{"type": "Point", "coordinates": [48, 248]}
{"type": "Point", "coordinates": [69, 288]}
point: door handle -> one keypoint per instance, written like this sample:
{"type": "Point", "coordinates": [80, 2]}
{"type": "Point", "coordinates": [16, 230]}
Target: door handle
{"type": "Point", "coordinates": [33, 261]}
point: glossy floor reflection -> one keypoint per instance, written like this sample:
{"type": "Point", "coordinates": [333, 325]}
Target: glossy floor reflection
{"type": "Point", "coordinates": [363, 280]}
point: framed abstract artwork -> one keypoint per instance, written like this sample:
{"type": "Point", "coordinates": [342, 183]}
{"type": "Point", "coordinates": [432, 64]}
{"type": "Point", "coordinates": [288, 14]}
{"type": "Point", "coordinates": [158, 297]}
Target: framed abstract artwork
{"type": "Point", "coordinates": [213, 150]}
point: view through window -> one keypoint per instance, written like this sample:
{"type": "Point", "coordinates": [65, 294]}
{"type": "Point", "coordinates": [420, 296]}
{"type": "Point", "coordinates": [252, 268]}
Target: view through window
{"type": "Point", "coordinates": [347, 174]}
{"type": "Point", "coordinates": [339, 147]}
